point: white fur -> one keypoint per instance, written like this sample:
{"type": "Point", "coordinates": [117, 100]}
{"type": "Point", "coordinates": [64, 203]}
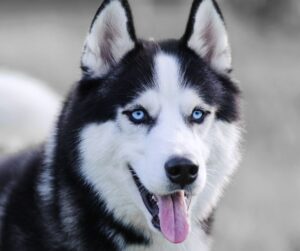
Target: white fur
{"type": "Point", "coordinates": [197, 241]}
{"type": "Point", "coordinates": [107, 149]}
{"type": "Point", "coordinates": [112, 20]}
{"type": "Point", "coordinates": [223, 139]}
{"type": "Point", "coordinates": [28, 110]}
{"type": "Point", "coordinates": [209, 35]}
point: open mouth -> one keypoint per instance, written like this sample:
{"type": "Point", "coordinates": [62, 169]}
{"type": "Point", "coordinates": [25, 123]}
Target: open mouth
{"type": "Point", "coordinates": [169, 212]}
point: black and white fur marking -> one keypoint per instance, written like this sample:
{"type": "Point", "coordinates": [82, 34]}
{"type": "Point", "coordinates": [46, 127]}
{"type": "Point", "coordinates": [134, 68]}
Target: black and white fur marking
{"type": "Point", "coordinates": [87, 187]}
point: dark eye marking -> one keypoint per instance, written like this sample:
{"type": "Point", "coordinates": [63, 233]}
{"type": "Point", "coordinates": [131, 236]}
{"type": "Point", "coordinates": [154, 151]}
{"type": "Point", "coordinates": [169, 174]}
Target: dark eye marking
{"type": "Point", "coordinates": [139, 116]}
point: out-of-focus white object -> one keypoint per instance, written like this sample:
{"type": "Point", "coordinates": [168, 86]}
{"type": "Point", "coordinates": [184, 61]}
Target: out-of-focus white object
{"type": "Point", "coordinates": [28, 110]}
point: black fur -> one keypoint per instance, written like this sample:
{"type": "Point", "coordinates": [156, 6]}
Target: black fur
{"type": "Point", "coordinates": [33, 222]}
{"type": "Point", "coordinates": [217, 90]}
{"type": "Point", "coordinates": [123, 83]}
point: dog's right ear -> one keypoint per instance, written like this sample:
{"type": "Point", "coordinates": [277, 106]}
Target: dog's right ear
{"type": "Point", "coordinates": [110, 38]}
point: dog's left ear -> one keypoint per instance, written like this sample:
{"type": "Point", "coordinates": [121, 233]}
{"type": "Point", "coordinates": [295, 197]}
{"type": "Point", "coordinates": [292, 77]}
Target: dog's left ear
{"type": "Point", "coordinates": [207, 36]}
{"type": "Point", "coordinates": [110, 38]}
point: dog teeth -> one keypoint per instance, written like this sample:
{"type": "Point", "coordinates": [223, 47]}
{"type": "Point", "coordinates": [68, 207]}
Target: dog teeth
{"type": "Point", "coordinates": [188, 201]}
{"type": "Point", "coordinates": [154, 198]}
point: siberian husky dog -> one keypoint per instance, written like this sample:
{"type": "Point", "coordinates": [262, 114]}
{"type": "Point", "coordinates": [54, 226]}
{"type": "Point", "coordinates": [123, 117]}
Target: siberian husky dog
{"type": "Point", "coordinates": [142, 150]}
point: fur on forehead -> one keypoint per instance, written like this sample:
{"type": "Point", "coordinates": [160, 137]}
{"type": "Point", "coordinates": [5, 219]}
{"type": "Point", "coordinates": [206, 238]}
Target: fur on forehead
{"type": "Point", "coordinates": [117, 67]}
{"type": "Point", "coordinates": [137, 72]}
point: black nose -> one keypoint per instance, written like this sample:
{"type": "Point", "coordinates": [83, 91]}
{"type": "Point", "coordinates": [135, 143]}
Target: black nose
{"type": "Point", "coordinates": [181, 171]}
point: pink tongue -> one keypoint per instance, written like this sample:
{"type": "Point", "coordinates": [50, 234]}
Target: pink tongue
{"type": "Point", "coordinates": [173, 217]}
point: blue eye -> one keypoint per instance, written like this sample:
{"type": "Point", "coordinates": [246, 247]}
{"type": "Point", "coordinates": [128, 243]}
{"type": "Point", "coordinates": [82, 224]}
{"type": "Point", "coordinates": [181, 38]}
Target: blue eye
{"type": "Point", "coordinates": [198, 116]}
{"type": "Point", "coordinates": [138, 115]}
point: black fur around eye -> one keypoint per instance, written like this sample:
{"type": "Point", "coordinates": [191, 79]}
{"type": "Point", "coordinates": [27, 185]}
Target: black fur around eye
{"type": "Point", "coordinates": [138, 116]}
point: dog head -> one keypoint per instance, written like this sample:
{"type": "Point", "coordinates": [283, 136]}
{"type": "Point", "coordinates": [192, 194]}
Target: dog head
{"type": "Point", "coordinates": [156, 122]}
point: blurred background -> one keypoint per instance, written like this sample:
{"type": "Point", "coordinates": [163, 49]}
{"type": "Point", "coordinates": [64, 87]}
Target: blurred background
{"type": "Point", "coordinates": [261, 208]}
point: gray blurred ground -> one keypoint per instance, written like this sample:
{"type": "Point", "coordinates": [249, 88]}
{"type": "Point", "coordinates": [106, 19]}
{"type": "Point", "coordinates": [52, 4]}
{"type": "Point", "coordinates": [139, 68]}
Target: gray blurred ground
{"type": "Point", "coordinates": [261, 209]}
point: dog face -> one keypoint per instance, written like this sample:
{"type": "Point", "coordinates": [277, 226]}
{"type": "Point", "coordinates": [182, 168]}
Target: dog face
{"type": "Point", "coordinates": [158, 126]}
